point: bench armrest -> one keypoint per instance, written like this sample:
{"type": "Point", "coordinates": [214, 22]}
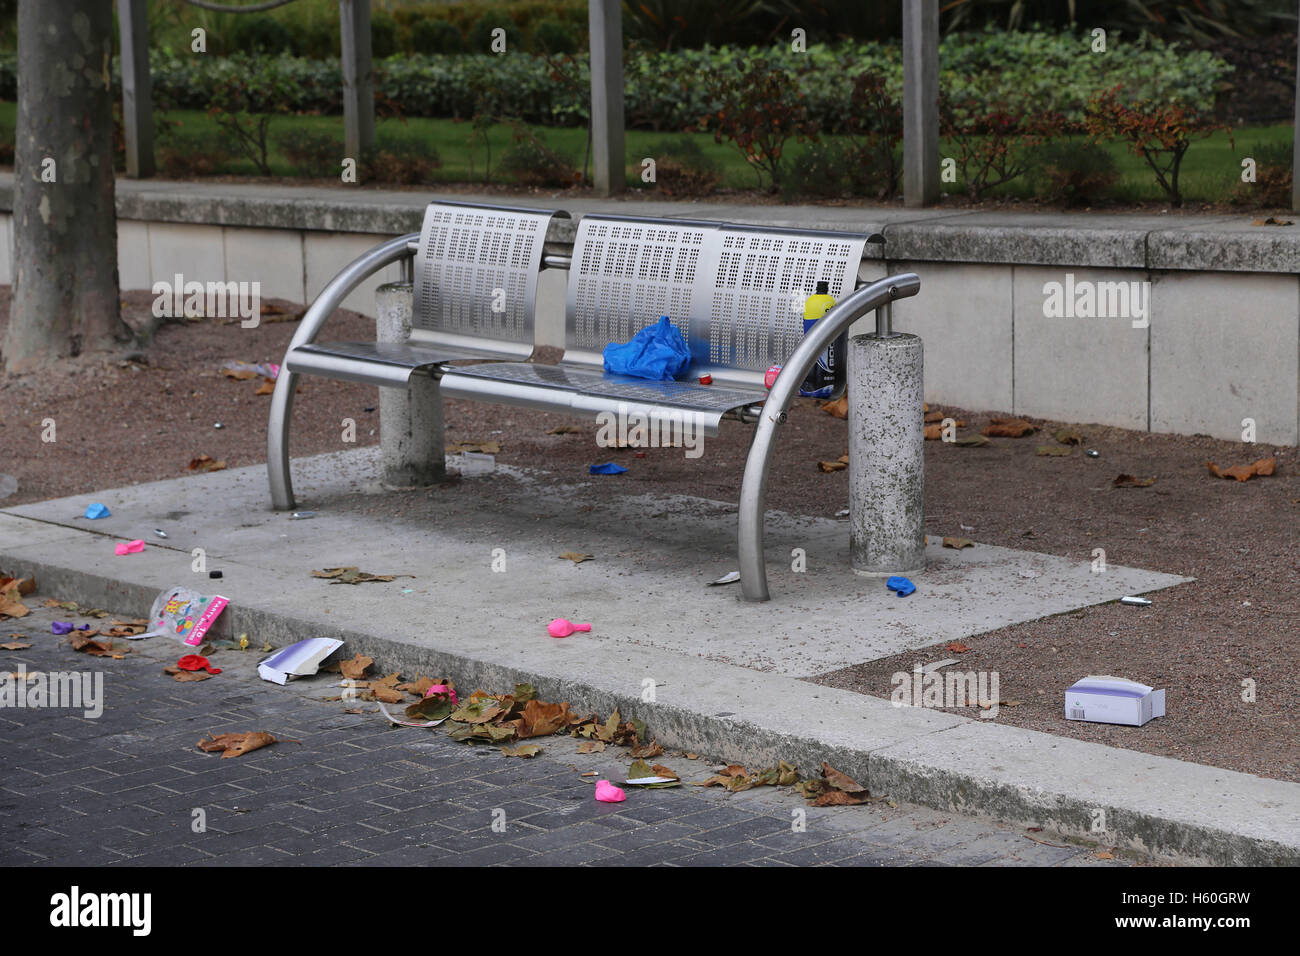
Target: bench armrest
{"type": "Point", "coordinates": [753, 488]}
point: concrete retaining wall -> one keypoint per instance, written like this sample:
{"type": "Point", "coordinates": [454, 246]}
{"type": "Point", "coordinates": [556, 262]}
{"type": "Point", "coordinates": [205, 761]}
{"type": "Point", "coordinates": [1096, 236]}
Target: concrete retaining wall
{"type": "Point", "coordinates": [1220, 342]}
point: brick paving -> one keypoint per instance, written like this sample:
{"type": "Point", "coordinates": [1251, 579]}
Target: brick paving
{"type": "Point", "coordinates": [131, 788]}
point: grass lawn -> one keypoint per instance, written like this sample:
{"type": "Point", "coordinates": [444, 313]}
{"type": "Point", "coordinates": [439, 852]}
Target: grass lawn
{"type": "Point", "coordinates": [1211, 170]}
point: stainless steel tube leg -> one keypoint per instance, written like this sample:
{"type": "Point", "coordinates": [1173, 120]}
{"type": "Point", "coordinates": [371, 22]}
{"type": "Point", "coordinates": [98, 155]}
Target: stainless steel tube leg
{"type": "Point", "coordinates": [886, 454]}
{"type": "Point", "coordinates": [277, 440]}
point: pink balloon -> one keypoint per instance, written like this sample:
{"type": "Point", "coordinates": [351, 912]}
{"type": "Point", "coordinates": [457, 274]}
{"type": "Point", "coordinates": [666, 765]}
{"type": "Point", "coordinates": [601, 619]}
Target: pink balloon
{"type": "Point", "coordinates": [606, 792]}
{"type": "Point", "coordinates": [132, 548]}
{"type": "Point", "coordinates": [563, 627]}
{"type": "Point", "coordinates": [441, 689]}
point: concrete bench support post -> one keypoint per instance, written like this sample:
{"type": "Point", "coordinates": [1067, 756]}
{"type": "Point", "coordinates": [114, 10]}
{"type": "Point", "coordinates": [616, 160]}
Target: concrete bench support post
{"type": "Point", "coordinates": [886, 454]}
{"type": "Point", "coordinates": [411, 437]}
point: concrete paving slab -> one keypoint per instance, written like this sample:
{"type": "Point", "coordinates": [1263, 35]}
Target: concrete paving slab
{"type": "Point", "coordinates": [706, 671]}
{"type": "Point", "coordinates": [487, 551]}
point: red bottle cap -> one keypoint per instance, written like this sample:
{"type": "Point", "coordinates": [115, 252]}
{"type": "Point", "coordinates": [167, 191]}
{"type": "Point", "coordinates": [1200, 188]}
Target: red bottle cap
{"type": "Point", "coordinates": [769, 377]}
{"type": "Point", "coordinates": [706, 379]}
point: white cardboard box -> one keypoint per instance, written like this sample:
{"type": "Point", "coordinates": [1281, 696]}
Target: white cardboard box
{"type": "Point", "coordinates": [1113, 700]}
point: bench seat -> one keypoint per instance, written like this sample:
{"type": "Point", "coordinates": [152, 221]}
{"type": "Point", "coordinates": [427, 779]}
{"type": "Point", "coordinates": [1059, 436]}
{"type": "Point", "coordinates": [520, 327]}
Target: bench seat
{"type": "Point", "coordinates": [590, 391]}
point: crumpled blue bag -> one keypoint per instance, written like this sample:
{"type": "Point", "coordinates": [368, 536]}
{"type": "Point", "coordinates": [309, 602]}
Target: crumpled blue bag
{"type": "Point", "coordinates": [657, 352]}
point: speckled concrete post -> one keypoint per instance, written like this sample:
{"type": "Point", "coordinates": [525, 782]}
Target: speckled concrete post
{"type": "Point", "coordinates": [886, 455]}
{"type": "Point", "coordinates": [411, 441]}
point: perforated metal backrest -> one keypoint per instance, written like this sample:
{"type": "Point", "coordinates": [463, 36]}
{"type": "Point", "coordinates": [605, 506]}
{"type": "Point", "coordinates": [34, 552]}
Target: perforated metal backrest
{"type": "Point", "coordinates": [763, 278]}
{"type": "Point", "coordinates": [476, 273]}
{"type": "Point", "coordinates": [735, 292]}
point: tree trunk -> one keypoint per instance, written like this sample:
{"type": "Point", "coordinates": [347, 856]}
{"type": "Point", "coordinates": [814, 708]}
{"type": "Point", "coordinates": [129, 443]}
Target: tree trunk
{"type": "Point", "coordinates": [65, 298]}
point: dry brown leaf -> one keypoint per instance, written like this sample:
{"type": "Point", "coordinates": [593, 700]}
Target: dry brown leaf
{"type": "Point", "coordinates": [1009, 428]}
{"type": "Point", "coordinates": [356, 668]}
{"type": "Point", "coordinates": [417, 686]}
{"type": "Point", "coordinates": [958, 543]}
{"type": "Point", "coordinates": [838, 408]}
{"type": "Point", "coordinates": [1104, 855]}
{"type": "Point", "coordinates": [81, 641]}
{"type": "Point", "coordinates": [1068, 436]}
{"type": "Point", "coordinates": [1055, 451]}
{"type": "Point", "coordinates": [483, 447]}
{"type": "Point", "coordinates": [1129, 481]}
{"type": "Point", "coordinates": [957, 647]}
{"type": "Point", "coordinates": [1261, 466]}
{"type": "Point", "coordinates": [841, 781]}
{"type": "Point", "coordinates": [829, 466]}
{"type": "Point", "coordinates": [184, 676]}
{"type": "Point", "coordinates": [234, 745]}
{"type": "Point", "coordinates": [14, 646]}
{"type": "Point", "coordinates": [239, 375]}
{"type": "Point", "coordinates": [591, 747]}
{"type": "Point", "coordinates": [662, 771]}
{"type": "Point", "coordinates": [540, 719]}
{"type": "Point", "coordinates": [206, 463]}
{"type": "Point", "coordinates": [646, 751]}
{"type": "Point", "coordinates": [935, 416]}
{"type": "Point", "coordinates": [523, 750]}
{"type": "Point", "coordinates": [577, 557]}
{"type": "Point", "coordinates": [266, 388]}
{"type": "Point", "coordinates": [840, 798]}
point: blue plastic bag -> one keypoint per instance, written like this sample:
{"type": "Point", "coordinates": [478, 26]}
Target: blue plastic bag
{"type": "Point", "coordinates": [657, 352]}
{"type": "Point", "coordinates": [609, 468]}
{"type": "Point", "coordinates": [97, 510]}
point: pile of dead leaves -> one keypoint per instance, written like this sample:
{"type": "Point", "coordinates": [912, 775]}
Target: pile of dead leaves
{"type": "Point", "coordinates": [12, 591]}
{"type": "Point", "coordinates": [736, 778]}
{"type": "Point", "coordinates": [833, 789]}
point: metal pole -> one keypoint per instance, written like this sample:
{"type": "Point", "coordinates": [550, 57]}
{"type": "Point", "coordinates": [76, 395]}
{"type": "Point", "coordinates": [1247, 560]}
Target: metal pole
{"type": "Point", "coordinates": [1295, 148]}
{"type": "Point", "coordinates": [137, 88]}
{"type": "Point", "coordinates": [920, 102]}
{"type": "Point", "coordinates": [753, 487]}
{"type": "Point", "coordinates": [358, 77]}
{"type": "Point", "coordinates": [605, 18]}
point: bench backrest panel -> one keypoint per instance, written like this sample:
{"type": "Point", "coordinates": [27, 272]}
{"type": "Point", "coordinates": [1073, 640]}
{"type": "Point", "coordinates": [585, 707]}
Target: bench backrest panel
{"type": "Point", "coordinates": [735, 292]}
{"type": "Point", "coordinates": [476, 273]}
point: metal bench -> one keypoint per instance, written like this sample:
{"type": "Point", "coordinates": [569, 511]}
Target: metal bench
{"type": "Point", "coordinates": [735, 292]}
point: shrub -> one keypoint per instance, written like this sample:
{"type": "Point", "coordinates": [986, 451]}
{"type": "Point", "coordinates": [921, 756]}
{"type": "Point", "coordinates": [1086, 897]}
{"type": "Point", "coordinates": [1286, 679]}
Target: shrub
{"type": "Point", "coordinates": [190, 153]}
{"type": "Point", "coordinates": [1075, 174]}
{"type": "Point", "coordinates": [1159, 132]}
{"type": "Point", "coordinates": [759, 109]}
{"type": "Point", "coordinates": [1273, 177]}
{"type": "Point", "coordinates": [532, 163]}
{"type": "Point", "coordinates": [552, 36]}
{"type": "Point", "coordinates": [820, 171]}
{"type": "Point", "coordinates": [260, 34]}
{"type": "Point", "coordinates": [874, 162]}
{"type": "Point", "coordinates": [480, 34]}
{"type": "Point", "coordinates": [435, 36]}
{"type": "Point", "coordinates": [407, 162]}
{"type": "Point", "coordinates": [311, 152]}
{"type": "Point", "coordinates": [682, 170]}
{"type": "Point", "coordinates": [383, 35]}
{"type": "Point", "coordinates": [991, 147]}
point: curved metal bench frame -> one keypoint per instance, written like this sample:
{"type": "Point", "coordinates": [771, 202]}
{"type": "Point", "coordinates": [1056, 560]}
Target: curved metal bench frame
{"type": "Point", "coordinates": [753, 490]}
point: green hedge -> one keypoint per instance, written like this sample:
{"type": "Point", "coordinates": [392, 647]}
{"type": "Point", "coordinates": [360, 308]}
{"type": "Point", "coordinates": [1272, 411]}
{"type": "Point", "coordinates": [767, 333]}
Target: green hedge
{"type": "Point", "coordinates": [1027, 72]}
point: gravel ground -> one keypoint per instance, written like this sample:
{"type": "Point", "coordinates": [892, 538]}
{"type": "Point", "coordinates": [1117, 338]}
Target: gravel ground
{"type": "Point", "coordinates": [121, 422]}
